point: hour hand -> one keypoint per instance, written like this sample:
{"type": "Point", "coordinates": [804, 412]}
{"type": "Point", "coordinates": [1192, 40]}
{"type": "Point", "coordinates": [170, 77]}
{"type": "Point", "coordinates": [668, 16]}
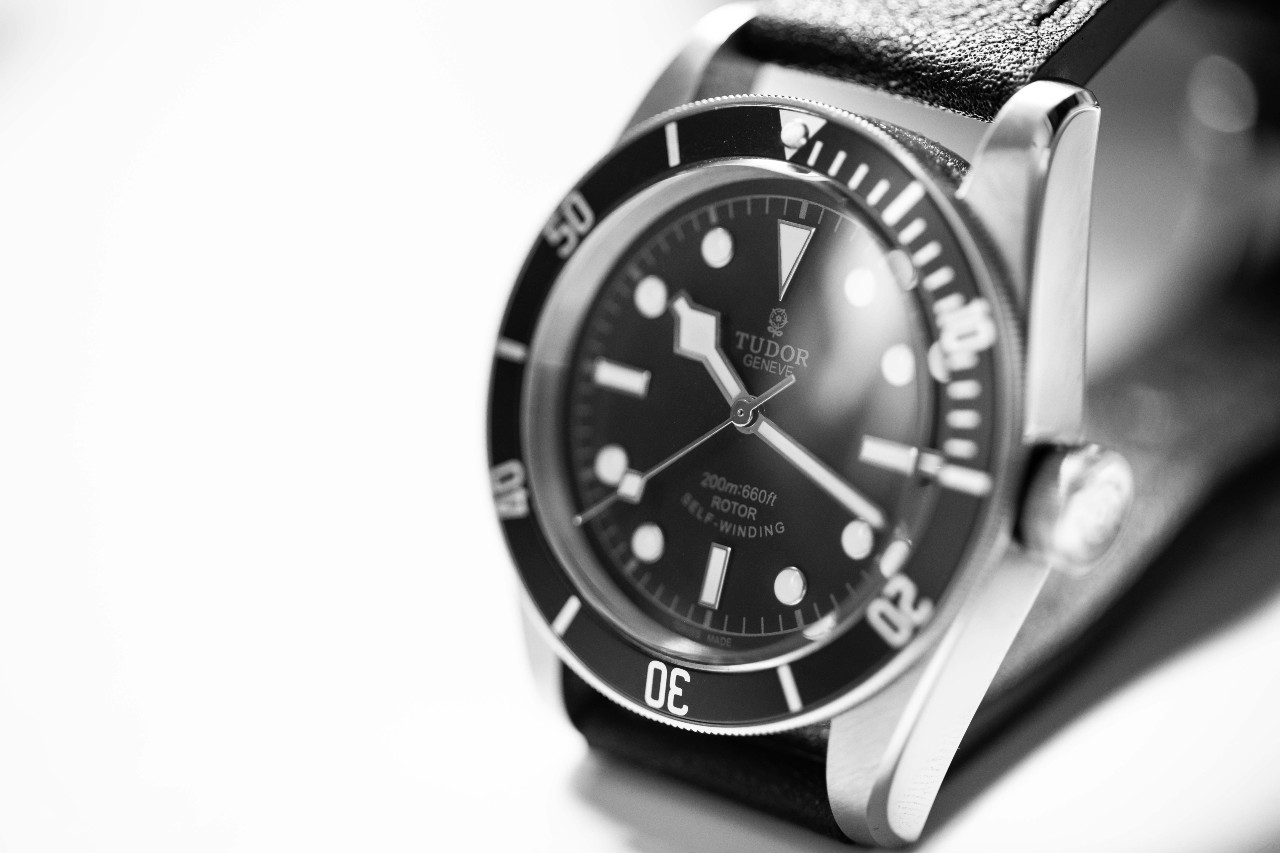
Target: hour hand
{"type": "Point", "coordinates": [698, 338]}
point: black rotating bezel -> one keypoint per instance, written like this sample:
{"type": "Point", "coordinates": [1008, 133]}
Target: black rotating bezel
{"type": "Point", "coordinates": [965, 529]}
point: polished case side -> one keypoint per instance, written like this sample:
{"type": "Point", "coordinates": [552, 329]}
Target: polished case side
{"type": "Point", "coordinates": [1029, 194]}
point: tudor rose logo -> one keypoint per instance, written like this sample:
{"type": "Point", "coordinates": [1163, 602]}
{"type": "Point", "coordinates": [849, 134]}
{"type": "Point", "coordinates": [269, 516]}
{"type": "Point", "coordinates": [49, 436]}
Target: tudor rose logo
{"type": "Point", "coordinates": [777, 319]}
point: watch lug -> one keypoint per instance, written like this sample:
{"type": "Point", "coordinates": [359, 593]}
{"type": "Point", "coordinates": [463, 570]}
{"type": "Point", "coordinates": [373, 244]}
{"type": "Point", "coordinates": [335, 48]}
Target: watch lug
{"type": "Point", "coordinates": [548, 671]}
{"type": "Point", "coordinates": [1031, 186]}
{"type": "Point", "coordinates": [709, 65]}
{"type": "Point", "coordinates": [886, 757]}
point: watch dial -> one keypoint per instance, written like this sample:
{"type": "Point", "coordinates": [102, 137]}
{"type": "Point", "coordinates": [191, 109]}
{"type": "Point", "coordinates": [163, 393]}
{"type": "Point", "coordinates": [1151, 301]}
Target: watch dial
{"type": "Point", "coordinates": [766, 534]}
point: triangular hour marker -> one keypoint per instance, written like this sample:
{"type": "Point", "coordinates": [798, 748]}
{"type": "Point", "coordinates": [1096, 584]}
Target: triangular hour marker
{"type": "Point", "coordinates": [793, 239]}
{"type": "Point", "coordinates": [797, 129]}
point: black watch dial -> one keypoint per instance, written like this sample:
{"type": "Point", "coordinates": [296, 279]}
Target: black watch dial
{"type": "Point", "coordinates": [746, 525]}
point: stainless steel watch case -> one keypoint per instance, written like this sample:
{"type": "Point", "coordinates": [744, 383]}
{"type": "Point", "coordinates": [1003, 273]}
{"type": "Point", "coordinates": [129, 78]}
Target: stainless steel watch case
{"type": "Point", "coordinates": [1027, 197]}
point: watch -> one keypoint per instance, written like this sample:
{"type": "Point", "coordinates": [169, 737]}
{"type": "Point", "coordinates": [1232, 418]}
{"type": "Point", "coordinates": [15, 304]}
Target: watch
{"type": "Point", "coordinates": [790, 434]}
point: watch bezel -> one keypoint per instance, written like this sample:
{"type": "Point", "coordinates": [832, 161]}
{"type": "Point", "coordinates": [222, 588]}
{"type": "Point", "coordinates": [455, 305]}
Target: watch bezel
{"type": "Point", "coordinates": [527, 536]}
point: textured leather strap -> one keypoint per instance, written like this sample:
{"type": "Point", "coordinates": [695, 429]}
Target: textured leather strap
{"type": "Point", "coordinates": [963, 56]}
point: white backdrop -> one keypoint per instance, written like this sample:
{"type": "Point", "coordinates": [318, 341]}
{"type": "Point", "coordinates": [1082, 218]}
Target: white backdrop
{"type": "Point", "coordinates": [252, 257]}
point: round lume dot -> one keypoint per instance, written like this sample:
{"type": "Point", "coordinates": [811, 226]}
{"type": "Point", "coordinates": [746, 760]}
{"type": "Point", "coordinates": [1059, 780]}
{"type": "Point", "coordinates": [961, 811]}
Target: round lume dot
{"type": "Point", "coordinates": [611, 464]}
{"type": "Point", "coordinates": [717, 248]}
{"type": "Point", "coordinates": [860, 287]}
{"type": "Point", "coordinates": [648, 543]}
{"type": "Point", "coordinates": [857, 539]}
{"type": "Point", "coordinates": [795, 134]}
{"type": "Point", "coordinates": [651, 297]}
{"type": "Point", "coordinates": [790, 586]}
{"type": "Point", "coordinates": [898, 365]}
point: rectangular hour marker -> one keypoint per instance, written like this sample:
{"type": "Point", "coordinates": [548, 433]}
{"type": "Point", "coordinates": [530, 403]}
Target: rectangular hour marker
{"type": "Point", "coordinates": [836, 164]}
{"type": "Point", "coordinates": [926, 254]}
{"type": "Point", "coordinates": [877, 192]}
{"type": "Point", "coordinates": [713, 580]}
{"type": "Point", "coordinates": [894, 557]}
{"type": "Point", "coordinates": [888, 454]}
{"type": "Point", "coordinates": [620, 377]}
{"type": "Point", "coordinates": [911, 232]}
{"type": "Point", "coordinates": [901, 205]}
{"type": "Point", "coordinates": [964, 389]}
{"type": "Point", "coordinates": [789, 691]}
{"type": "Point", "coordinates": [565, 617]}
{"type": "Point", "coordinates": [965, 480]}
{"type": "Point", "coordinates": [813, 155]}
{"type": "Point", "coordinates": [673, 144]}
{"type": "Point", "coordinates": [940, 277]}
{"type": "Point", "coordinates": [858, 174]}
{"type": "Point", "coordinates": [960, 448]}
{"type": "Point", "coordinates": [512, 350]}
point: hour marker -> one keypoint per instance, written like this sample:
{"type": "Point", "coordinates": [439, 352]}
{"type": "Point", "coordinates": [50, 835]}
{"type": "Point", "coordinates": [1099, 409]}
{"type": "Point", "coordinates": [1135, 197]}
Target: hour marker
{"type": "Point", "coordinates": [928, 252]}
{"type": "Point", "coordinates": [620, 377]}
{"type": "Point", "coordinates": [858, 174]}
{"type": "Point", "coordinates": [793, 239]}
{"type": "Point", "coordinates": [789, 691]}
{"type": "Point", "coordinates": [964, 389]}
{"type": "Point", "coordinates": [651, 297]}
{"type": "Point", "coordinates": [836, 164]}
{"type": "Point", "coordinates": [790, 586]}
{"type": "Point", "coordinates": [713, 580]}
{"type": "Point", "coordinates": [512, 350]}
{"type": "Point", "coordinates": [898, 364]}
{"type": "Point", "coordinates": [966, 480]}
{"type": "Point", "coordinates": [877, 192]}
{"type": "Point", "coordinates": [894, 557]}
{"type": "Point", "coordinates": [889, 455]}
{"type": "Point", "coordinates": [647, 543]}
{"type": "Point", "coordinates": [960, 448]}
{"type": "Point", "coordinates": [717, 248]}
{"type": "Point", "coordinates": [857, 539]}
{"type": "Point", "coordinates": [565, 617]}
{"type": "Point", "coordinates": [938, 363]}
{"type": "Point", "coordinates": [902, 205]}
{"type": "Point", "coordinates": [908, 235]}
{"type": "Point", "coordinates": [611, 464]}
{"type": "Point", "coordinates": [900, 266]}
{"type": "Point", "coordinates": [673, 144]}
{"type": "Point", "coordinates": [940, 277]}
{"type": "Point", "coordinates": [860, 287]}
{"type": "Point", "coordinates": [813, 155]}
{"type": "Point", "coordinates": [963, 419]}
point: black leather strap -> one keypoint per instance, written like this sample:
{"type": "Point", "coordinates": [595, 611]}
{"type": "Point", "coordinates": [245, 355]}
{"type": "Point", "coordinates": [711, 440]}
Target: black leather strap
{"type": "Point", "coordinates": [963, 56]}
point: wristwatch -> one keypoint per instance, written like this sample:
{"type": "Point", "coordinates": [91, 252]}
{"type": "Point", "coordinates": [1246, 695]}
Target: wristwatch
{"type": "Point", "coordinates": [788, 424]}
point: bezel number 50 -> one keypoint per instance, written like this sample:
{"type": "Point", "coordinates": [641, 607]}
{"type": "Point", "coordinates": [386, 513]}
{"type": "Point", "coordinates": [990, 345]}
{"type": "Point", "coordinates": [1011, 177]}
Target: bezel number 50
{"type": "Point", "coordinates": [569, 224]}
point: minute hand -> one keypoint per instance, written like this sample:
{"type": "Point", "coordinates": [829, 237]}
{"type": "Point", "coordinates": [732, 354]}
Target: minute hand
{"type": "Point", "coordinates": [819, 473]}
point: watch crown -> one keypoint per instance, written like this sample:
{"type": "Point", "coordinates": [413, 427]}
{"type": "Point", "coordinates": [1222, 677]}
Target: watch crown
{"type": "Point", "coordinates": [1076, 504]}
